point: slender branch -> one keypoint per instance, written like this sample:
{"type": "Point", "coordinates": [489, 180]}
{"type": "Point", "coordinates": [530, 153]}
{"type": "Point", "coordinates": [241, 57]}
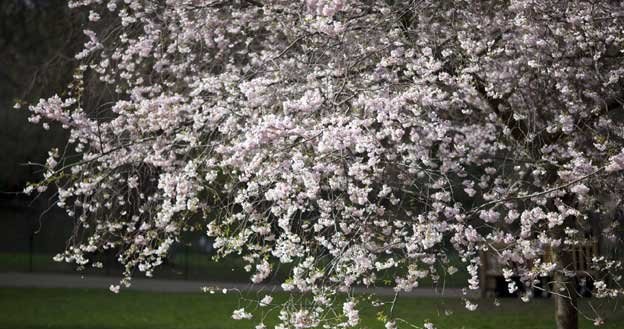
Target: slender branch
{"type": "Point", "coordinates": [522, 197]}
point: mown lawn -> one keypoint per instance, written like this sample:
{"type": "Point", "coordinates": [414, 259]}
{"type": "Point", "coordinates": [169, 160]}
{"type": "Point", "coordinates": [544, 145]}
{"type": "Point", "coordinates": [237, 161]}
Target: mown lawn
{"type": "Point", "coordinates": [100, 309]}
{"type": "Point", "coordinates": [192, 266]}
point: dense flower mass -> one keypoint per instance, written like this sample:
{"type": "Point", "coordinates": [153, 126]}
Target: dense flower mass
{"type": "Point", "coordinates": [353, 139]}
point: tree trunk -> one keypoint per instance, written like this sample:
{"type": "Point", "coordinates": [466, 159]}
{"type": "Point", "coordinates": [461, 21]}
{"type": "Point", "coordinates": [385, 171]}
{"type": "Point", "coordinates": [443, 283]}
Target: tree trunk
{"type": "Point", "coordinates": [566, 299]}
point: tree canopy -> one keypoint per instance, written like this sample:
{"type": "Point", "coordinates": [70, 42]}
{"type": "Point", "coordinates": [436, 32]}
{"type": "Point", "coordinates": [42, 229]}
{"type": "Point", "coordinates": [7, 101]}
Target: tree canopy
{"type": "Point", "coordinates": [353, 139]}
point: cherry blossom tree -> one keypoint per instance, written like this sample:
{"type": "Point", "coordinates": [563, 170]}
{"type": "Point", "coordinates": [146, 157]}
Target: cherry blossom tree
{"type": "Point", "coordinates": [351, 139]}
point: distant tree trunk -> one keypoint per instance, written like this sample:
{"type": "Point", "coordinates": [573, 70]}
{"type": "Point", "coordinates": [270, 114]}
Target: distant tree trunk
{"type": "Point", "coordinates": [566, 299]}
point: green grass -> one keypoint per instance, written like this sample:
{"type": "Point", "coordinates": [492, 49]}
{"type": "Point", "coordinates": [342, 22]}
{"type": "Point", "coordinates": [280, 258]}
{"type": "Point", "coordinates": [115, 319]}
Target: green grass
{"type": "Point", "coordinates": [199, 266]}
{"type": "Point", "coordinates": [193, 266]}
{"type": "Point", "coordinates": [196, 267]}
{"type": "Point", "coordinates": [100, 309]}
{"type": "Point", "coordinates": [19, 262]}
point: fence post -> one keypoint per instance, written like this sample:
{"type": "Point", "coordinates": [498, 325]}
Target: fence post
{"type": "Point", "coordinates": [186, 262]}
{"type": "Point", "coordinates": [31, 250]}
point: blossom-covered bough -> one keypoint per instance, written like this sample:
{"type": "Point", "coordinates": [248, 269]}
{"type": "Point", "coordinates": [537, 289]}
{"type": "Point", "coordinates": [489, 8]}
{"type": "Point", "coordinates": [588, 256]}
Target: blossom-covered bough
{"type": "Point", "coordinates": [353, 139]}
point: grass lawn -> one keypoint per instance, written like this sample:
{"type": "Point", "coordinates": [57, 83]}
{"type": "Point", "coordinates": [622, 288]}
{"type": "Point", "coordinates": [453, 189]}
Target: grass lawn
{"type": "Point", "coordinates": [193, 266]}
{"type": "Point", "coordinates": [100, 309]}
{"type": "Point", "coordinates": [180, 266]}
{"type": "Point", "coordinates": [21, 262]}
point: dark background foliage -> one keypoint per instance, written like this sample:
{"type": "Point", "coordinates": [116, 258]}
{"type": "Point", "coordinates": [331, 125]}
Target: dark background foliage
{"type": "Point", "coordinates": [37, 40]}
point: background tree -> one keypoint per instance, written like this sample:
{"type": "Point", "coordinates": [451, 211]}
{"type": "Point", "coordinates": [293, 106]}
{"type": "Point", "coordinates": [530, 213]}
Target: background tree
{"type": "Point", "coordinates": [37, 43]}
{"type": "Point", "coordinates": [351, 138]}
{"type": "Point", "coordinates": [38, 39]}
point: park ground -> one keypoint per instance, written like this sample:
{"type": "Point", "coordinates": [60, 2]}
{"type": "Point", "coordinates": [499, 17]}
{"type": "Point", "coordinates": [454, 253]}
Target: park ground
{"type": "Point", "coordinates": [66, 301]}
{"type": "Point", "coordinates": [62, 308]}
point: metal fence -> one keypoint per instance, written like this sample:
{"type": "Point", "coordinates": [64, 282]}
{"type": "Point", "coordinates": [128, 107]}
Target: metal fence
{"type": "Point", "coordinates": [30, 236]}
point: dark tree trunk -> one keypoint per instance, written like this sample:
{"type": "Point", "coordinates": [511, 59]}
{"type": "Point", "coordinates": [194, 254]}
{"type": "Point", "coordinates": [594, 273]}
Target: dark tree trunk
{"type": "Point", "coordinates": [566, 299]}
